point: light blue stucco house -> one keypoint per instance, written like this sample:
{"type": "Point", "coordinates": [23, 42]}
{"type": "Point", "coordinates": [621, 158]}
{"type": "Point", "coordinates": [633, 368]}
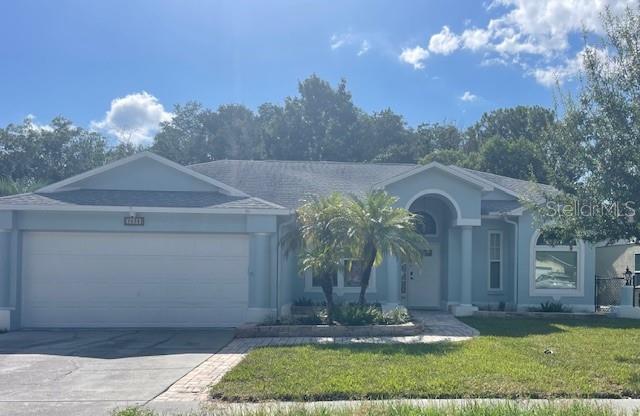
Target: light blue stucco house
{"type": "Point", "coordinates": [146, 242]}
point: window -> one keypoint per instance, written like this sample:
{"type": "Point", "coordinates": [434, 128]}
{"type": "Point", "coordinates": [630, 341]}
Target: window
{"type": "Point", "coordinates": [556, 267]}
{"type": "Point", "coordinates": [346, 280]}
{"type": "Point", "coordinates": [352, 273]}
{"type": "Point", "coordinates": [427, 224]}
{"type": "Point", "coordinates": [637, 270]}
{"type": "Point", "coordinates": [495, 260]}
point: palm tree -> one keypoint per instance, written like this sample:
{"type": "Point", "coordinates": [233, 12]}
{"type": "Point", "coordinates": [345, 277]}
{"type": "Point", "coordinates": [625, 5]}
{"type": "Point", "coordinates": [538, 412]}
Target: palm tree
{"type": "Point", "coordinates": [320, 238]}
{"type": "Point", "coordinates": [378, 228]}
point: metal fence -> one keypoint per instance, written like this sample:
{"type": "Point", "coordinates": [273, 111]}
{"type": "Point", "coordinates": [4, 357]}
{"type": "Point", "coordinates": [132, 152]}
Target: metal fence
{"type": "Point", "coordinates": [608, 291]}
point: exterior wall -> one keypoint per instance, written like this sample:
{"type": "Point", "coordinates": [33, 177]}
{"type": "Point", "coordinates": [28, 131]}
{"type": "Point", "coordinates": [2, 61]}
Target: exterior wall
{"type": "Point", "coordinates": [144, 174]}
{"type": "Point", "coordinates": [613, 260]}
{"type": "Point", "coordinates": [481, 294]}
{"type": "Point", "coordinates": [262, 260]}
{"type": "Point", "coordinates": [525, 299]}
{"type": "Point", "coordinates": [465, 197]}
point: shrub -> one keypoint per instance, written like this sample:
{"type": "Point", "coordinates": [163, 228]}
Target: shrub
{"type": "Point", "coordinates": [352, 314]}
{"type": "Point", "coordinates": [303, 302]}
{"type": "Point", "coordinates": [396, 316]}
{"type": "Point", "coordinates": [550, 306]}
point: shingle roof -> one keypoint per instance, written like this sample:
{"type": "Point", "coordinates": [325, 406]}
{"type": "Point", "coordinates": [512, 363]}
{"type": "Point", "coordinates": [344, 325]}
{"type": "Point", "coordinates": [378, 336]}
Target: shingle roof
{"type": "Point", "coordinates": [525, 189]}
{"type": "Point", "coordinates": [127, 198]}
{"type": "Point", "coordinates": [288, 182]}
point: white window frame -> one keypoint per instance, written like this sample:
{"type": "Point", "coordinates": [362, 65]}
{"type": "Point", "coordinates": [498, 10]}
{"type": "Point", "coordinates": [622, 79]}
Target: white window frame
{"type": "Point", "coordinates": [340, 289]}
{"type": "Point", "coordinates": [500, 261]}
{"type": "Point", "coordinates": [579, 249]}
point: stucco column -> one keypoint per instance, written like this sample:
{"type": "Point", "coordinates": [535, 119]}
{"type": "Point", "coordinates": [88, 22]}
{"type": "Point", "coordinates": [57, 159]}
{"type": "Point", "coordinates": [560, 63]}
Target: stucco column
{"type": "Point", "coordinates": [5, 255]}
{"type": "Point", "coordinates": [260, 283]}
{"type": "Point", "coordinates": [466, 253]}
{"type": "Point", "coordinates": [465, 257]}
{"type": "Point", "coordinates": [393, 280]}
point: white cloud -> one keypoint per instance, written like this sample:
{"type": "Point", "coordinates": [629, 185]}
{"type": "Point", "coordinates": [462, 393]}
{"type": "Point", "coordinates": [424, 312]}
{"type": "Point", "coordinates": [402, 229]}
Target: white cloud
{"type": "Point", "coordinates": [475, 39]}
{"type": "Point", "coordinates": [350, 40]}
{"type": "Point", "coordinates": [133, 118]}
{"type": "Point", "coordinates": [468, 97]}
{"type": "Point", "coordinates": [339, 40]}
{"type": "Point", "coordinates": [535, 35]}
{"type": "Point", "coordinates": [364, 47]}
{"type": "Point", "coordinates": [569, 68]}
{"type": "Point", "coordinates": [414, 56]}
{"type": "Point", "coordinates": [444, 42]}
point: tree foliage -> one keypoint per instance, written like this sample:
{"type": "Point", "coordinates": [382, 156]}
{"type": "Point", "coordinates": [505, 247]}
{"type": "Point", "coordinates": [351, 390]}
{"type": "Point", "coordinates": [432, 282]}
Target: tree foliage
{"type": "Point", "coordinates": [600, 137]}
{"type": "Point", "coordinates": [320, 122]}
{"type": "Point", "coordinates": [378, 228]}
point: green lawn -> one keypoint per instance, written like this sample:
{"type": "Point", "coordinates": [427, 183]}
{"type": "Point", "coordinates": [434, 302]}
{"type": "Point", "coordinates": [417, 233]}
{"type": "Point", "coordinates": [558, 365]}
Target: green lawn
{"type": "Point", "coordinates": [591, 358]}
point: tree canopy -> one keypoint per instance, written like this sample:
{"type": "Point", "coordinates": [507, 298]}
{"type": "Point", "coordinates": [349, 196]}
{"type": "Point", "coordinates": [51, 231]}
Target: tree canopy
{"type": "Point", "coordinates": [320, 122]}
{"type": "Point", "coordinates": [600, 137]}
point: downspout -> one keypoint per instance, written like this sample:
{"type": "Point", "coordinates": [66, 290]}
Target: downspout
{"type": "Point", "coordinates": [515, 259]}
{"type": "Point", "coordinates": [279, 264]}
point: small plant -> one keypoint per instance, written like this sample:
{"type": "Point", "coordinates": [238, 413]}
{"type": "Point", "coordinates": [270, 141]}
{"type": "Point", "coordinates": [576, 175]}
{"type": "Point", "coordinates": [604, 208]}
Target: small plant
{"type": "Point", "coordinates": [352, 314]}
{"type": "Point", "coordinates": [396, 316]}
{"type": "Point", "coordinates": [502, 306]}
{"type": "Point", "coordinates": [303, 302]}
{"type": "Point", "coordinates": [551, 307]}
{"type": "Point", "coordinates": [313, 319]}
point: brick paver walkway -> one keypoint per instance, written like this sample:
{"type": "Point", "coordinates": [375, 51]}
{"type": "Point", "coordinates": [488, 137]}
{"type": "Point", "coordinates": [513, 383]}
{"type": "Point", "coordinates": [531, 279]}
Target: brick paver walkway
{"type": "Point", "coordinates": [439, 327]}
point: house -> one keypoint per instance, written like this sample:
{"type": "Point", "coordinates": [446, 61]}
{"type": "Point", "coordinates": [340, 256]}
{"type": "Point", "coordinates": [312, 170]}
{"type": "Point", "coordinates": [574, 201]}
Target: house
{"type": "Point", "coordinates": [145, 242]}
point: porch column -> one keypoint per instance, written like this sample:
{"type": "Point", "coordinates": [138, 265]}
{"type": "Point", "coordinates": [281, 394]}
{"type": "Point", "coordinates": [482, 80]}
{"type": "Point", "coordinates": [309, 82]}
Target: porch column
{"type": "Point", "coordinates": [466, 253]}
{"type": "Point", "coordinates": [393, 280]}
{"type": "Point", "coordinates": [465, 308]}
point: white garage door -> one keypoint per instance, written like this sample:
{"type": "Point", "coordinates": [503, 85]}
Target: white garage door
{"type": "Point", "coordinates": [134, 280]}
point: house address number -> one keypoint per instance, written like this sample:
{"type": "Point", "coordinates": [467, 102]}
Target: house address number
{"type": "Point", "coordinates": [134, 220]}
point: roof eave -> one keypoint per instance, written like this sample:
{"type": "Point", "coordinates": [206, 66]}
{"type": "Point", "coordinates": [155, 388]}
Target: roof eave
{"type": "Point", "coordinates": [180, 210]}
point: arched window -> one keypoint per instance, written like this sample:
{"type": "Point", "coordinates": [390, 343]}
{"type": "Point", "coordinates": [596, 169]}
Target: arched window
{"type": "Point", "coordinates": [557, 266]}
{"type": "Point", "coordinates": [427, 225]}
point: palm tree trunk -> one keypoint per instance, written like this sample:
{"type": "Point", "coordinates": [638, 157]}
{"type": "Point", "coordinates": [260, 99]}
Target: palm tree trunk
{"type": "Point", "coordinates": [366, 276]}
{"type": "Point", "coordinates": [327, 289]}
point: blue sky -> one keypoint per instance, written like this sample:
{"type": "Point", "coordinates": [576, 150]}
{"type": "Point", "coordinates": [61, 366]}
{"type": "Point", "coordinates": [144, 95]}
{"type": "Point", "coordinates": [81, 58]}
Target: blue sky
{"type": "Point", "coordinates": [431, 61]}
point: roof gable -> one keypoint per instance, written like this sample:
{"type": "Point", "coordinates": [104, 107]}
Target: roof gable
{"type": "Point", "coordinates": [143, 171]}
{"type": "Point", "coordinates": [470, 180]}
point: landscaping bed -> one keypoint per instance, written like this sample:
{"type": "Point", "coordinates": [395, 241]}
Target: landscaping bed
{"type": "Point", "coordinates": [512, 358]}
{"type": "Point", "coordinates": [350, 320]}
{"type": "Point", "coordinates": [252, 331]}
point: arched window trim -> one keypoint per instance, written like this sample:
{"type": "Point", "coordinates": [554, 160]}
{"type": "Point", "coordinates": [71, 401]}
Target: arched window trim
{"type": "Point", "coordinates": [435, 222]}
{"type": "Point", "coordinates": [579, 248]}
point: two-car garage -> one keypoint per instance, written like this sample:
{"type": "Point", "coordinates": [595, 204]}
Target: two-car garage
{"type": "Point", "coordinates": [101, 279]}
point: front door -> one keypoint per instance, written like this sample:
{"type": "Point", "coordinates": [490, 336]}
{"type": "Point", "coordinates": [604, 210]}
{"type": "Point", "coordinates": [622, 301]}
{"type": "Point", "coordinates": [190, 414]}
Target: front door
{"type": "Point", "coordinates": [423, 280]}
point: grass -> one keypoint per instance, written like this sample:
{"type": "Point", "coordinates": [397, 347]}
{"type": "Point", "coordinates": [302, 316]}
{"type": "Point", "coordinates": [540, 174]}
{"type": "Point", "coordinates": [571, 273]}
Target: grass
{"type": "Point", "coordinates": [404, 410]}
{"type": "Point", "coordinates": [590, 359]}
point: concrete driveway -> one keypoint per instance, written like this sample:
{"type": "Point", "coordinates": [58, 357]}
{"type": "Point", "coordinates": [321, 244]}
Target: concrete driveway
{"type": "Point", "coordinates": [91, 372]}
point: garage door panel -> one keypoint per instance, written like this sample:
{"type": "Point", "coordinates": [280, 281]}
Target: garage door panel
{"type": "Point", "coordinates": [137, 244]}
{"type": "Point", "coordinates": [109, 279]}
